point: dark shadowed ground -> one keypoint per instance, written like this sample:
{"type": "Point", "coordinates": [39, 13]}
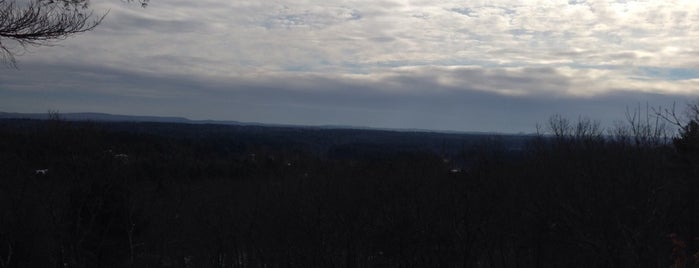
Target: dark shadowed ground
{"type": "Point", "coordinates": [90, 194]}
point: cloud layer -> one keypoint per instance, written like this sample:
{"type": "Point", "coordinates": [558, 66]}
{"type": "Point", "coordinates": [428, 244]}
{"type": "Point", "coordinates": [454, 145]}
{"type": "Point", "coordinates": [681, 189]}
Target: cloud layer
{"type": "Point", "coordinates": [368, 52]}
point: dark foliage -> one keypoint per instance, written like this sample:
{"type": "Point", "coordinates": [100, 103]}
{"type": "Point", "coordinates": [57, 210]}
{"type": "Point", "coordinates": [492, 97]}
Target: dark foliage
{"type": "Point", "coordinates": [170, 195]}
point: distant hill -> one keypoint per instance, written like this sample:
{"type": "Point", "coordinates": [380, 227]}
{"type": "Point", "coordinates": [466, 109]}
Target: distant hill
{"type": "Point", "coordinates": [105, 117]}
{"type": "Point", "coordinates": [97, 117]}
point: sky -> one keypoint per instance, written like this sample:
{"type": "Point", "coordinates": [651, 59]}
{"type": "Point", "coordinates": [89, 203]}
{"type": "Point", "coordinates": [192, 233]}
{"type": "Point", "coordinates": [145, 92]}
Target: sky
{"type": "Point", "coordinates": [501, 66]}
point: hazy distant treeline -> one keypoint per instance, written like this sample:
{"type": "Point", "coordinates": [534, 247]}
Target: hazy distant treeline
{"type": "Point", "coordinates": [165, 196]}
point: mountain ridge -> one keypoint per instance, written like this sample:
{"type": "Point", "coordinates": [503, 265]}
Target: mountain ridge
{"type": "Point", "coordinates": [107, 117]}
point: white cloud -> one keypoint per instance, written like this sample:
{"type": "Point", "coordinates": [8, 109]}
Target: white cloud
{"type": "Point", "coordinates": [358, 36]}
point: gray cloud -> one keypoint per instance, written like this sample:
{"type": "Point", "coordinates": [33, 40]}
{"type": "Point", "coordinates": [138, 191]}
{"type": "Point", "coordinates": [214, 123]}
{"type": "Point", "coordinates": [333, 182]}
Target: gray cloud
{"type": "Point", "coordinates": [313, 18]}
{"type": "Point", "coordinates": [407, 99]}
{"type": "Point", "coordinates": [484, 65]}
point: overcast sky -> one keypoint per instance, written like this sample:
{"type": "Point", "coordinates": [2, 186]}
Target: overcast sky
{"type": "Point", "coordinates": [443, 65]}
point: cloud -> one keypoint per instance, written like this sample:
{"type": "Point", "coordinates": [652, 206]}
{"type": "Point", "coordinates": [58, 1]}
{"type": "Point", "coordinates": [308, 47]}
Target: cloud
{"type": "Point", "coordinates": [431, 97]}
{"type": "Point", "coordinates": [355, 37]}
{"type": "Point", "coordinates": [380, 56]}
{"type": "Point", "coordinates": [315, 17]}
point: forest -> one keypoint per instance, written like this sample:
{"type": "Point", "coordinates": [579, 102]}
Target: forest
{"type": "Point", "coordinates": [137, 194]}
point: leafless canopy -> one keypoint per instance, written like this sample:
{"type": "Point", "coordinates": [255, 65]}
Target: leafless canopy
{"type": "Point", "coordinates": [26, 23]}
{"type": "Point", "coordinates": [37, 22]}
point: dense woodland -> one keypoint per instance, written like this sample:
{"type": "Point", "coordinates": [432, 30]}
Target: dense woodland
{"type": "Point", "coordinates": [90, 194]}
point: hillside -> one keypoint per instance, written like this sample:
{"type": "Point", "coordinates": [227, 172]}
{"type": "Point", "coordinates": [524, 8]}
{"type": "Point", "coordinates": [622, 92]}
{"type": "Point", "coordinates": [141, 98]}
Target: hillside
{"type": "Point", "coordinates": [155, 194]}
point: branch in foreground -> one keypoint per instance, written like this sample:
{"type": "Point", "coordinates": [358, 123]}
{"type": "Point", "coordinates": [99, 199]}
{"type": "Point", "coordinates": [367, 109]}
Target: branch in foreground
{"type": "Point", "coordinates": [39, 23]}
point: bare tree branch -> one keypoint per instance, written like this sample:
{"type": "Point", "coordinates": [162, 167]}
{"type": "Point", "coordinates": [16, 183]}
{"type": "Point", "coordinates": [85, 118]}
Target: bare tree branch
{"type": "Point", "coordinates": [42, 22]}
{"type": "Point", "coordinates": [669, 115]}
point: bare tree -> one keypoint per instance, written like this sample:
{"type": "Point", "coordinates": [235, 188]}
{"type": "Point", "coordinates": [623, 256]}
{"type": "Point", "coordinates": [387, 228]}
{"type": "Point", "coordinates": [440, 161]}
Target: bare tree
{"type": "Point", "coordinates": [649, 129]}
{"type": "Point", "coordinates": [584, 129]}
{"type": "Point", "coordinates": [26, 23]}
{"type": "Point", "coordinates": [683, 120]}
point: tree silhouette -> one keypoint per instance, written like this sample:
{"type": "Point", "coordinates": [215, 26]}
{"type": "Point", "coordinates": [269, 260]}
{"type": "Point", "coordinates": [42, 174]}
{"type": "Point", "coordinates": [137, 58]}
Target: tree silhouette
{"type": "Point", "coordinates": [688, 141]}
{"type": "Point", "coordinates": [42, 22]}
